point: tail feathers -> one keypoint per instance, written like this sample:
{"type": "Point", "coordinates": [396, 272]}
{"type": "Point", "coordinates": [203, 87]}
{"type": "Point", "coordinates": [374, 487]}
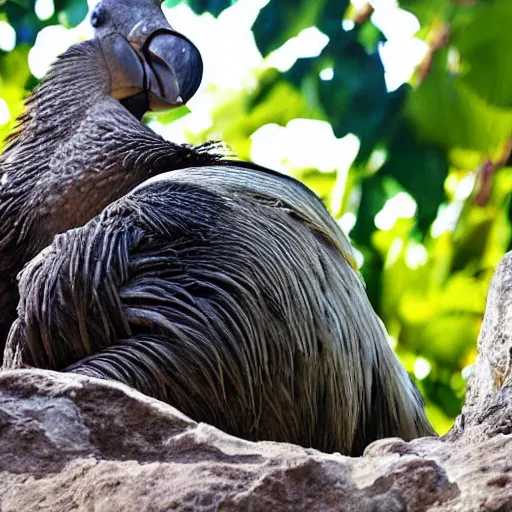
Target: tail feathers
{"type": "Point", "coordinates": [395, 401]}
{"type": "Point", "coordinates": [167, 369]}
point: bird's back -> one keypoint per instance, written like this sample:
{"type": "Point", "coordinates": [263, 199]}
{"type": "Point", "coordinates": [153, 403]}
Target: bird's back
{"type": "Point", "coordinates": [229, 292]}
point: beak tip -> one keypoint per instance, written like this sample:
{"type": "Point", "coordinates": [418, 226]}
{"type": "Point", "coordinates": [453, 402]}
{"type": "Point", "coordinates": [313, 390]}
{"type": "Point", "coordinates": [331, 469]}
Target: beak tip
{"type": "Point", "coordinates": [177, 64]}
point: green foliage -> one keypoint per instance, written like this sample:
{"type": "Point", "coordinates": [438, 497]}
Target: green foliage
{"type": "Point", "coordinates": [214, 7]}
{"type": "Point", "coordinates": [426, 182]}
{"type": "Point", "coordinates": [481, 43]}
{"type": "Point", "coordinates": [281, 20]}
{"type": "Point", "coordinates": [439, 143]}
{"type": "Point", "coordinates": [21, 15]}
{"type": "Point", "coordinates": [443, 97]}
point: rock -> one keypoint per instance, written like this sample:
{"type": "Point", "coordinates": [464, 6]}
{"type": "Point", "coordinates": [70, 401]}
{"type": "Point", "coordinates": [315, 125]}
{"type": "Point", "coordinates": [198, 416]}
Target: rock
{"type": "Point", "coordinates": [70, 442]}
{"type": "Point", "coordinates": [488, 407]}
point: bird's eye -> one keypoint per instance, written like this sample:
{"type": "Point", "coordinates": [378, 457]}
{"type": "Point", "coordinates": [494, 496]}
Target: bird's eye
{"type": "Point", "coordinates": [98, 16]}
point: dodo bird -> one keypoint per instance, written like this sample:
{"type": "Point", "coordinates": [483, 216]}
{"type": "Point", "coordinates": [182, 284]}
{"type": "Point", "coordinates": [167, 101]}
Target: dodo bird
{"type": "Point", "coordinates": [220, 287]}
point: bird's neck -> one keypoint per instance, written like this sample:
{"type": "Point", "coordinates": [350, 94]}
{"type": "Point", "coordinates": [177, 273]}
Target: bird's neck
{"type": "Point", "coordinates": [76, 81]}
{"type": "Point", "coordinates": [43, 155]}
{"type": "Point", "coordinates": [76, 150]}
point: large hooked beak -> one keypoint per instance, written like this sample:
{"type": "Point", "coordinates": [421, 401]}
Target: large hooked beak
{"type": "Point", "coordinates": [172, 65]}
{"type": "Point", "coordinates": [155, 59]}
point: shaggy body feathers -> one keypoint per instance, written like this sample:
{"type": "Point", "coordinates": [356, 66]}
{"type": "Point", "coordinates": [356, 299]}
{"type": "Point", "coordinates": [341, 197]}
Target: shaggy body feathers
{"type": "Point", "coordinates": [222, 288]}
{"type": "Point", "coordinates": [224, 291]}
{"type": "Point", "coordinates": [71, 156]}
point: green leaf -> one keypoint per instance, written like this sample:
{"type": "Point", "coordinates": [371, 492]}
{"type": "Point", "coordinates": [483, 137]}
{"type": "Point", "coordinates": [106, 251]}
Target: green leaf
{"type": "Point", "coordinates": [373, 198]}
{"type": "Point", "coordinates": [24, 21]}
{"type": "Point", "coordinates": [369, 36]}
{"type": "Point", "coordinates": [356, 99]}
{"type": "Point", "coordinates": [280, 105]}
{"type": "Point", "coordinates": [482, 43]}
{"type": "Point", "coordinates": [73, 14]}
{"type": "Point", "coordinates": [280, 20]}
{"type": "Point", "coordinates": [70, 12]}
{"type": "Point", "coordinates": [420, 169]}
{"type": "Point", "coordinates": [214, 7]}
{"type": "Point", "coordinates": [25, 4]}
{"type": "Point", "coordinates": [321, 183]}
{"type": "Point", "coordinates": [168, 116]}
{"type": "Point", "coordinates": [448, 113]}
{"type": "Point", "coordinates": [15, 60]}
{"type": "Point", "coordinates": [427, 11]}
{"type": "Point", "coordinates": [445, 337]}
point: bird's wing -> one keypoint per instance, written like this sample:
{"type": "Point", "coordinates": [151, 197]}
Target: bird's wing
{"type": "Point", "coordinates": [245, 178]}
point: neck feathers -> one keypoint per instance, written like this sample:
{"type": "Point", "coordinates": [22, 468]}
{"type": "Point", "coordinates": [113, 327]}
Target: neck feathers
{"type": "Point", "coordinates": [77, 80]}
{"type": "Point", "coordinates": [75, 151]}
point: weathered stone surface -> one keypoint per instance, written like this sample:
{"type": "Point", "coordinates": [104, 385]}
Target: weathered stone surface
{"type": "Point", "coordinates": [488, 407]}
{"type": "Point", "coordinates": [68, 442]}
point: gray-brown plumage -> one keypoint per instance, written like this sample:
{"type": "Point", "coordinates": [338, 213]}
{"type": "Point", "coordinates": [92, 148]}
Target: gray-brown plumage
{"type": "Point", "coordinates": [222, 288]}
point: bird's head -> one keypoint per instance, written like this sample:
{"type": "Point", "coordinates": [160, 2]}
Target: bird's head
{"type": "Point", "coordinates": [147, 59]}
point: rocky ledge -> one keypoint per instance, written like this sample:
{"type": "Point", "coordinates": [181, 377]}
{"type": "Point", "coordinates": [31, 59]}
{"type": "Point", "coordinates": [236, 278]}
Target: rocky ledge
{"type": "Point", "coordinates": [69, 442]}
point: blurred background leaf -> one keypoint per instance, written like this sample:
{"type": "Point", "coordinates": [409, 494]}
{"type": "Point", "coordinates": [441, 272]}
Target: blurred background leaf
{"type": "Point", "coordinates": [398, 115]}
{"type": "Point", "coordinates": [214, 7]}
